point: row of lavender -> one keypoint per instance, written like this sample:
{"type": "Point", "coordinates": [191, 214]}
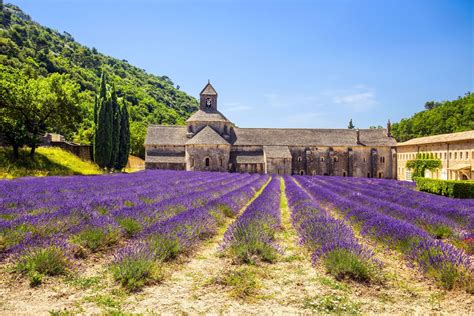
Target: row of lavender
{"type": "Point", "coordinates": [397, 228]}
{"type": "Point", "coordinates": [68, 211]}
{"type": "Point", "coordinates": [328, 238]}
{"type": "Point", "coordinates": [251, 236]}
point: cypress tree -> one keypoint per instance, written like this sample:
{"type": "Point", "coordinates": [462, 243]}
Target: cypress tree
{"type": "Point", "coordinates": [124, 145]}
{"type": "Point", "coordinates": [103, 136]}
{"type": "Point", "coordinates": [115, 128]}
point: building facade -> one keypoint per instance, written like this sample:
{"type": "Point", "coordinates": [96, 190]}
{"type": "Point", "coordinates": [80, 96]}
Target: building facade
{"type": "Point", "coordinates": [210, 142]}
{"type": "Point", "coordinates": [455, 150]}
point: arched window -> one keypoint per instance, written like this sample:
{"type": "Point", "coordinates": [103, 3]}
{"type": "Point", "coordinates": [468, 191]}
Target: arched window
{"type": "Point", "coordinates": [314, 172]}
{"type": "Point", "coordinates": [322, 159]}
{"type": "Point", "coordinates": [336, 159]}
{"type": "Point", "coordinates": [343, 173]}
{"type": "Point", "coordinates": [222, 162]}
{"type": "Point", "coordinates": [301, 173]}
{"type": "Point", "coordinates": [368, 175]}
{"type": "Point", "coordinates": [299, 158]}
{"type": "Point", "coordinates": [206, 162]}
{"type": "Point", "coordinates": [380, 175]}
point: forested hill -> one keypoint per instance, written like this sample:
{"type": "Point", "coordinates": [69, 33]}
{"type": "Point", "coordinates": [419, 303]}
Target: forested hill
{"type": "Point", "coordinates": [438, 118]}
{"type": "Point", "coordinates": [40, 51]}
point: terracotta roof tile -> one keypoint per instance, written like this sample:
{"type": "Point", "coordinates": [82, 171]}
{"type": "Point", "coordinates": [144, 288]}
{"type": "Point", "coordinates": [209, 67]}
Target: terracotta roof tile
{"type": "Point", "coordinates": [443, 138]}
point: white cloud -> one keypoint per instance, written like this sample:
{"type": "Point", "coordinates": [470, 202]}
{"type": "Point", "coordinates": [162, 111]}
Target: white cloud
{"type": "Point", "coordinates": [359, 98]}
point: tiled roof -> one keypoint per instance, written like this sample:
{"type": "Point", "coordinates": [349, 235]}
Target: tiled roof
{"type": "Point", "coordinates": [209, 90]}
{"type": "Point", "coordinates": [249, 159]}
{"type": "Point", "coordinates": [277, 152]}
{"type": "Point", "coordinates": [443, 138]}
{"type": "Point", "coordinates": [166, 135]}
{"type": "Point", "coordinates": [176, 135]}
{"type": "Point", "coordinates": [207, 136]}
{"type": "Point", "coordinates": [311, 137]}
{"type": "Point", "coordinates": [211, 116]}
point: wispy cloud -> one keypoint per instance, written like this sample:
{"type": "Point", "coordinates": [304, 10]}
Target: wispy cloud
{"type": "Point", "coordinates": [235, 107]}
{"type": "Point", "coordinates": [359, 98]}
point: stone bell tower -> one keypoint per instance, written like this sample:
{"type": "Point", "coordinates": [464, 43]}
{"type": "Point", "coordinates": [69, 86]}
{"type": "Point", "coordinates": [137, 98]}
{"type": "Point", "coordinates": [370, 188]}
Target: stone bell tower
{"type": "Point", "coordinates": [208, 98]}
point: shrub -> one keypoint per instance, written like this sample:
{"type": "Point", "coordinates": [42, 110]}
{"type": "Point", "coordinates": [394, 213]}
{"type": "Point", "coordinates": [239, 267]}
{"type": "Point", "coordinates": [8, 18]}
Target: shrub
{"type": "Point", "coordinates": [451, 188]}
{"type": "Point", "coordinates": [343, 264]}
{"type": "Point", "coordinates": [96, 238]}
{"type": "Point", "coordinates": [135, 270]}
{"type": "Point", "coordinates": [130, 225]}
{"type": "Point", "coordinates": [163, 248]}
{"type": "Point", "coordinates": [37, 262]}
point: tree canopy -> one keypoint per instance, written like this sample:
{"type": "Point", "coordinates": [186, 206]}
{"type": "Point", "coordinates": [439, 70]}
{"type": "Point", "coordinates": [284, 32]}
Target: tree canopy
{"type": "Point", "coordinates": [36, 51]}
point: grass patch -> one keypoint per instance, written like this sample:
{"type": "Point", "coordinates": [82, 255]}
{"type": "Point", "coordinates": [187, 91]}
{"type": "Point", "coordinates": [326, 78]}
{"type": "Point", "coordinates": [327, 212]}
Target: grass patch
{"type": "Point", "coordinates": [331, 304]}
{"type": "Point", "coordinates": [243, 282]}
{"type": "Point", "coordinates": [48, 161]}
{"type": "Point", "coordinates": [84, 282]}
{"type": "Point", "coordinates": [164, 248]}
{"type": "Point", "coordinates": [333, 284]}
{"type": "Point", "coordinates": [38, 262]}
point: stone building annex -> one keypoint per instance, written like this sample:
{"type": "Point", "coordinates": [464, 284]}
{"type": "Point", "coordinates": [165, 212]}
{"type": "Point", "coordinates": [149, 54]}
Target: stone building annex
{"type": "Point", "coordinates": [211, 142]}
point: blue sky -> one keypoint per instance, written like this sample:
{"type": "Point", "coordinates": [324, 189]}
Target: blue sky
{"type": "Point", "coordinates": [287, 63]}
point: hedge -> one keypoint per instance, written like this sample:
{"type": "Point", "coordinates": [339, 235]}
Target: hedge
{"type": "Point", "coordinates": [451, 188]}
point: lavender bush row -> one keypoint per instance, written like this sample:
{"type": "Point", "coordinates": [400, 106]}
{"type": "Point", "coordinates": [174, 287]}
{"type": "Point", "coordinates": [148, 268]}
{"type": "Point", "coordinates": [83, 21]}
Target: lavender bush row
{"type": "Point", "coordinates": [251, 236]}
{"type": "Point", "coordinates": [448, 265]}
{"type": "Point", "coordinates": [178, 234]}
{"type": "Point", "coordinates": [436, 225]}
{"type": "Point", "coordinates": [328, 238]}
{"type": "Point", "coordinates": [457, 210]}
{"type": "Point", "coordinates": [79, 221]}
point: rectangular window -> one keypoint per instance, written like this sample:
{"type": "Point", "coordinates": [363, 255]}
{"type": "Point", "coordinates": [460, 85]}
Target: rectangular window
{"type": "Point", "coordinates": [467, 155]}
{"type": "Point", "coordinates": [444, 156]}
{"type": "Point", "coordinates": [460, 155]}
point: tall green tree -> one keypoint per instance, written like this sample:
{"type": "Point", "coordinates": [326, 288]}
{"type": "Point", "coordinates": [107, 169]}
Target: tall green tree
{"type": "Point", "coordinates": [351, 125]}
{"type": "Point", "coordinates": [104, 127]}
{"type": "Point", "coordinates": [124, 144]}
{"type": "Point", "coordinates": [115, 128]}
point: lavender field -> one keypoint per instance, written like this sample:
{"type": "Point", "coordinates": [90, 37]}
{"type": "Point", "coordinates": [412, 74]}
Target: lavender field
{"type": "Point", "coordinates": [172, 242]}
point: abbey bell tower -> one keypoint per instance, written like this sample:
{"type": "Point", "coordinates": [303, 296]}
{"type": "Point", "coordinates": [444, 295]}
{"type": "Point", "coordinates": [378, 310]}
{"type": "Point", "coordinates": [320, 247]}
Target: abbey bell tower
{"type": "Point", "coordinates": [208, 98]}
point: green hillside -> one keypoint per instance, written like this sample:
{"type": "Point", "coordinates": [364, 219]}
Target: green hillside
{"type": "Point", "coordinates": [40, 51]}
{"type": "Point", "coordinates": [438, 118]}
{"type": "Point", "coordinates": [48, 162]}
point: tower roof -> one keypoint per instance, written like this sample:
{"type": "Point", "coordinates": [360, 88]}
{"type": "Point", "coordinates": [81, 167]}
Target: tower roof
{"type": "Point", "coordinates": [208, 89]}
{"type": "Point", "coordinates": [207, 136]}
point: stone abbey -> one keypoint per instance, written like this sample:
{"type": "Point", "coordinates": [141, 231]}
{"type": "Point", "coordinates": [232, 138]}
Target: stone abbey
{"type": "Point", "coordinates": [210, 142]}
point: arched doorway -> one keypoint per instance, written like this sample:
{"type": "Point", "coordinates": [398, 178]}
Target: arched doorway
{"type": "Point", "coordinates": [207, 161]}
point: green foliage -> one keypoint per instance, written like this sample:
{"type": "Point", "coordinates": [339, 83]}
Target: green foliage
{"type": "Point", "coordinates": [451, 188]}
{"type": "Point", "coordinates": [439, 118]}
{"type": "Point", "coordinates": [163, 248]}
{"type": "Point", "coordinates": [343, 264]}
{"type": "Point", "coordinates": [243, 282]}
{"type": "Point", "coordinates": [332, 303]}
{"type": "Point", "coordinates": [420, 165]}
{"type": "Point", "coordinates": [48, 161]}
{"type": "Point", "coordinates": [42, 261]}
{"type": "Point", "coordinates": [135, 271]}
{"type": "Point", "coordinates": [37, 52]}
{"type": "Point", "coordinates": [103, 145]}
{"type": "Point", "coordinates": [351, 125]}
{"type": "Point", "coordinates": [124, 139]}
{"type": "Point", "coordinates": [115, 140]}
{"type": "Point", "coordinates": [96, 238]}
{"type": "Point", "coordinates": [130, 225]}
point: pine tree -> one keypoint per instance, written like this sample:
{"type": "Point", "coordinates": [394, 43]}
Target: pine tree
{"type": "Point", "coordinates": [351, 125]}
{"type": "Point", "coordinates": [115, 128]}
{"type": "Point", "coordinates": [124, 145]}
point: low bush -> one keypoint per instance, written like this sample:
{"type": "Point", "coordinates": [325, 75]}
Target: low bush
{"type": "Point", "coordinates": [163, 248]}
{"type": "Point", "coordinates": [37, 262]}
{"type": "Point", "coordinates": [97, 238]}
{"type": "Point", "coordinates": [135, 270]}
{"type": "Point", "coordinates": [130, 225]}
{"type": "Point", "coordinates": [343, 264]}
{"type": "Point", "coordinates": [451, 188]}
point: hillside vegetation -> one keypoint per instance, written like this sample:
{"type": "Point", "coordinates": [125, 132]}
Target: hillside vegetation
{"type": "Point", "coordinates": [49, 161]}
{"type": "Point", "coordinates": [438, 118]}
{"type": "Point", "coordinates": [39, 51]}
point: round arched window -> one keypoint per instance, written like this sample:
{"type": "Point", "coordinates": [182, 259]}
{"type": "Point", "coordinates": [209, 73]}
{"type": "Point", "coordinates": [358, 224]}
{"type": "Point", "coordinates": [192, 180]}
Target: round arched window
{"type": "Point", "coordinates": [207, 161]}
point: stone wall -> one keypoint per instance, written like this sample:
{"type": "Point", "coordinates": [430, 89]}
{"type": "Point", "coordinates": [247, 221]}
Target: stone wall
{"type": "Point", "coordinates": [207, 157]}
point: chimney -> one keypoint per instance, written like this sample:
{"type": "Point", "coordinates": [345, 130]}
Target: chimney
{"type": "Point", "coordinates": [389, 129]}
{"type": "Point", "coordinates": [358, 136]}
